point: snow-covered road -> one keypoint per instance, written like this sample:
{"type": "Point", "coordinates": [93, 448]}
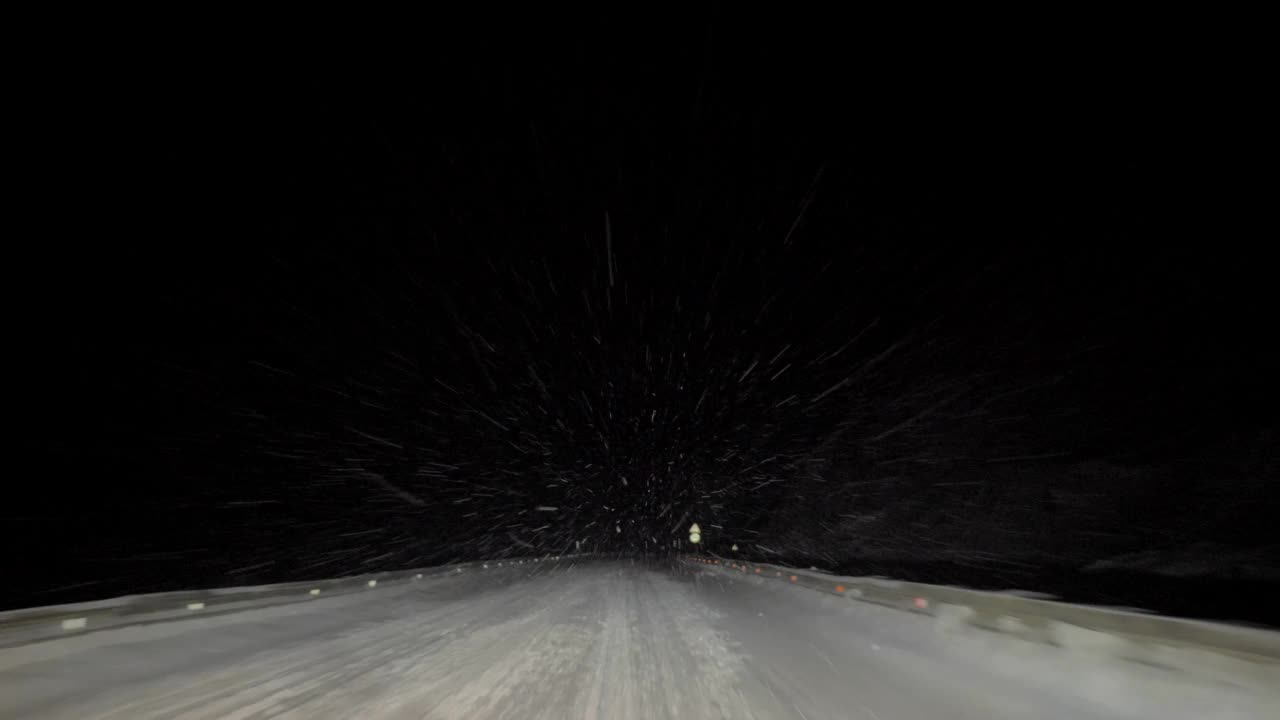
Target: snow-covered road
{"type": "Point", "coordinates": [595, 640]}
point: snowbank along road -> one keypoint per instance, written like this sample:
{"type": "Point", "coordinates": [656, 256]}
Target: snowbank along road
{"type": "Point", "coordinates": [593, 639]}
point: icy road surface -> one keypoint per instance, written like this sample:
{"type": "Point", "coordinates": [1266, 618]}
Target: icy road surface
{"type": "Point", "coordinates": [601, 640]}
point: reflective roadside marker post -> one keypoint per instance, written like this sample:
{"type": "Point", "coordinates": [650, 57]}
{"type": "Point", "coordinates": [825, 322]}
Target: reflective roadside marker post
{"type": "Point", "coordinates": [735, 547]}
{"type": "Point", "coordinates": [695, 534]}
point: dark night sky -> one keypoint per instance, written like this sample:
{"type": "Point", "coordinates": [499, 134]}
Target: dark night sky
{"type": "Point", "coordinates": [837, 306]}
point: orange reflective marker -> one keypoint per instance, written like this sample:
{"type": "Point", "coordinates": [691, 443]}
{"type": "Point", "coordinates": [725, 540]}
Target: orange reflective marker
{"type": "Point", "coordinates": [757, 571]}
{"type": "Point", "coordinates": [839, 588]}
{"type": "Point", "coordinates": [793, 578]}
{"type": "Point", "coordinates": [922, 603]}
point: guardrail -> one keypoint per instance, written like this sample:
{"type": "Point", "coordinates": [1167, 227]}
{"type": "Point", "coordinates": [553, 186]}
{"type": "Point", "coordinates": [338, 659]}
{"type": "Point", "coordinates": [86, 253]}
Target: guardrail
{"type": "Point", "coordinates": [1243, 656]}
{"type": "Point", "coordinates": [19, 627]}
